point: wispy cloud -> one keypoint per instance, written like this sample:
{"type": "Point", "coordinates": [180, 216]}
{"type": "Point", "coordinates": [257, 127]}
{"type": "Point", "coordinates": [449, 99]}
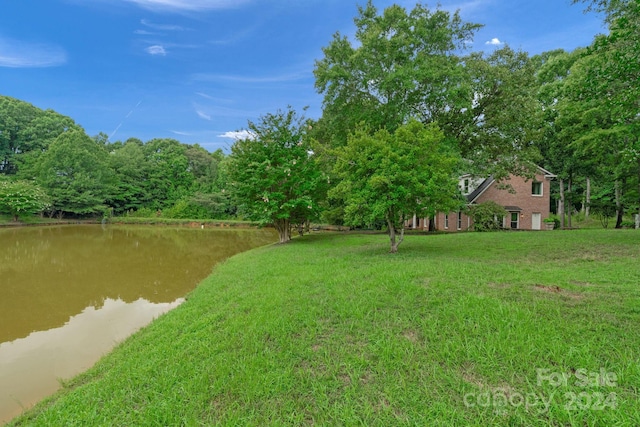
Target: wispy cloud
{"type": "Point", "coordinates": [188, 5]}
{"type": "Point", "coordinates": [203, 115]}
{"type": "Point", "coordinates": [214, 98]}
{"type": "Point", "coordinates": [162, 27]}
{"type": "Point", "coordinates": [494, 42]}
{"type": "Point", "coordinates": [156, 50]}
{"type": "Point", "coordinates": [177, 132]}
{"type": "Point", "coordinates": [241, 134]}
{"type": "Point", "coordinates": [19, 54]}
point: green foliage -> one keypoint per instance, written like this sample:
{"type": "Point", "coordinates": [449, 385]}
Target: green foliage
{"type": "Point", "coordinates": [131, 169]}
{"type": "Point", "coordinates": [273, 175]}
{"type": "Point", "coordinates": [603, 204]}
{"type": "Point", "coordinates": [408, 64]}
{"type": "Point", "coordinates": [187, 208]}
{"type": "Point", "coordinates": [142, 213]}
{"type": "Point", "coordinates": [487, 216]}
{"type": "Point", "coordinates": [74, 172]}
{"type": "Point", "coordinates": [26, 131]}
{"type": "Point", "coordinates": [18, 198]}
{"type": "Point", "coordinates": [390, 176]}
{"type": "Point", "coordinates": [168, 178]}
{"type": "Point", "coordinates": [402, 65]}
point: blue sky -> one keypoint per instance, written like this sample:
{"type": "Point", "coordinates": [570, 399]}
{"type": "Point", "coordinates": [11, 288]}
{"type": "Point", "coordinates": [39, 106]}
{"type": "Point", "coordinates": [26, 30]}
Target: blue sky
{"type": "Point", "coordinates": [197, 70]}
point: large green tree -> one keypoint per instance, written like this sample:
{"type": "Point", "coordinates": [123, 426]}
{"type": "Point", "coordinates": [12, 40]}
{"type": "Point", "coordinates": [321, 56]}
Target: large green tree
{"type": "Point", "coordinates": [169, 177]}
{"type": "Point", "coordinates": [410, 64]}
{"type": "Point", "coordinates": [131, 169]}
{"type": "Point", "coordinates": [402, 64]}
{"type": "Point", "coordinates": [74, 172]}
{"type": "Point", "coordinates": [26, 131]}
{"type": "Point", "coordinates": [390, 176]}
{"type": "Point", "coordinates": [273, 173]}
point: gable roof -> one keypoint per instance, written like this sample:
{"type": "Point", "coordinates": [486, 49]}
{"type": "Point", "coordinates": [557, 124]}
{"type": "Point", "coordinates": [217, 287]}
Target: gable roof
{"type": "Point", "coordinates": [471, 197]}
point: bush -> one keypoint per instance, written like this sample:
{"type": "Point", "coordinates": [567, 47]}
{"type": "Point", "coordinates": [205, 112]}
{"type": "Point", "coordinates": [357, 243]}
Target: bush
{"type": "Point", "coordinates": [20, 198]}
{"type": "Point", "coordinates": [185, 209]}
{"type": "Point", "coordinates": [142, 213]}
{"type": "Point", "coordinates": [487, 216]}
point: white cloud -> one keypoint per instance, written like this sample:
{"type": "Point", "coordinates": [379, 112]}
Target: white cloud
{"type": "Point", "coordinates": [494, 42]}
{"type": "Point", "coordinates": [187, 5]}
{"type": "Point", "coordinates": [177, 132]}
{"type": "Point", "coordinates": [18, 54]}
{"type": "Point", "coordinates": [203, 115]}
{"type": "Point", "coordinates": [163, 27]}
{"type": "Point", "coordinates": [242, 134]}
{"type": "Point", "coordinates": [156, 50]}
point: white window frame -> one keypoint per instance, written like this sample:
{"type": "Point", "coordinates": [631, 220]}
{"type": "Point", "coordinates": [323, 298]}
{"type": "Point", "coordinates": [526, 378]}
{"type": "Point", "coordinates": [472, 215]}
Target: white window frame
{"type": "Point", "coordinates": [541, 189]}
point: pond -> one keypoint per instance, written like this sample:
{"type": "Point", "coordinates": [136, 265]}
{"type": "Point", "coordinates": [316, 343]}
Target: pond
{"type": "Point", "coordinates": [69, 294]}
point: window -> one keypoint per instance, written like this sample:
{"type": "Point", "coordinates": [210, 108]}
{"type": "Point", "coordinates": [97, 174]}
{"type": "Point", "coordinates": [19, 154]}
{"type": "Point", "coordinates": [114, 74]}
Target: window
{"type": "Point", "coordinates": [459, 220]}
{"type": "Point", "coordinates": [514, 219]}
{"type": "Point", "coordinates": [446, 221]}
{"type": "Point", "coordinates": [466, 186]}
{"type": "Point", "coordinates": [536, 188]}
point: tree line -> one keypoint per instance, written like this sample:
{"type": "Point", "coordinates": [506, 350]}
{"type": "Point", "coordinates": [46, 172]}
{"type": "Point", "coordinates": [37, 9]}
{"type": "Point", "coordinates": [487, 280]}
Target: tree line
{"type": "Point", "coordinates": [406, 109]}
{"type": "Point", "coordinates": [49, 164]}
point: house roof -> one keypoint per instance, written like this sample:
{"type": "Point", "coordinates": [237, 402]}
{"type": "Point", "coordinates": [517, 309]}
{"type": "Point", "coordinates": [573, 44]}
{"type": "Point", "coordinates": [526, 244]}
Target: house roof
{"type": "Point", "coordinates": [471, 197]}
{"type": "Point", "coordinates": [546, 173]}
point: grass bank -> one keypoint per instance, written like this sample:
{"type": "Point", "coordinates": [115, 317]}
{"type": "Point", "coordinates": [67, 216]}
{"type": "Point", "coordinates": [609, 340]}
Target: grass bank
{"type": "Point", "coordinates": [468, 329]}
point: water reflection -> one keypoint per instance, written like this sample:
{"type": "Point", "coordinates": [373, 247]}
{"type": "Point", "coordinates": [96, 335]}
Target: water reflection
{"type": "Point", "coordinates": [31, 367]}
{"type": "Point", "coordinates": [49, 275]}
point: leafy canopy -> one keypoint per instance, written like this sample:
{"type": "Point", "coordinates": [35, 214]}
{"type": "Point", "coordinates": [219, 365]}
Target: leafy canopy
{"type": "Point", "coordinates": [390, 176]}
{"type": "Point", "coordinates": [273, 174]}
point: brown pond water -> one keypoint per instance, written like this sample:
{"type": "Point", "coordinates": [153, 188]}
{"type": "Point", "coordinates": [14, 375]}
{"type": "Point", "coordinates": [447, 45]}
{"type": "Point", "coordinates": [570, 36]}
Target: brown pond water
{"type": "Point", "coordinates": [69, 294]}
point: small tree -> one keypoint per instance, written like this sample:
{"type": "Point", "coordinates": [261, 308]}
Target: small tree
{"type": "Point", "coordinates": [19, 198]}
{"type": "Point", "coordinates": [391, 176]}
{"type": "Point", "coordinates": [487, 216]}
{"type": "Point", "coordinates": [273, 175]}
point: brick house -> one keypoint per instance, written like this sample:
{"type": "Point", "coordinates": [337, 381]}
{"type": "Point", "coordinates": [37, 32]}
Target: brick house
{"type": "Point", "coordinates": [527, 202]}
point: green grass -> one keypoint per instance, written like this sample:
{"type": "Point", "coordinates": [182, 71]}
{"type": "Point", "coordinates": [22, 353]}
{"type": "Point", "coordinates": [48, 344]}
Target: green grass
{"type": "Point", "coordinates": [332, 330]}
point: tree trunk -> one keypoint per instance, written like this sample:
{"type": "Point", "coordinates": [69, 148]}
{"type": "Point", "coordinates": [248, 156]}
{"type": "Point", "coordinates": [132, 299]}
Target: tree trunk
{"type": "Point", "coordinates": [587, 199]}
{"type": "Point", "coordinates": [284, 230]}
{"type": "Point", "coordinates": [638, 216]}
{"type": "Point", "coordinates": [619, 207]}
{"type": "Point", "coordinates": [561, 203]}
{"type": "Point", "coordinates": [394, 237]}
{"type": "Point", "coordinates": [570, 209]}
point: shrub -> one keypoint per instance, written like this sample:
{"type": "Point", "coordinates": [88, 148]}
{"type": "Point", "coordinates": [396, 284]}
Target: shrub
{"type": "Point", "coordinates": [19, 198]}
{"type": "Point", "coordinates": [487, 216]}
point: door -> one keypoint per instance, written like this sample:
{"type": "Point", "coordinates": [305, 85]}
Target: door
{"type": "Point", "coordinates": [535, 221]}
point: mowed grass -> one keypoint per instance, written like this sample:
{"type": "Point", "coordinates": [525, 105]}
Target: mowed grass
{"type": "Point", "coordinates": [466, 329]}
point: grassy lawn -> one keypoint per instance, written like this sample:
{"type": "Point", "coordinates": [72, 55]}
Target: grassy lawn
{"type": "Point", "coordinates": [539, 329]}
